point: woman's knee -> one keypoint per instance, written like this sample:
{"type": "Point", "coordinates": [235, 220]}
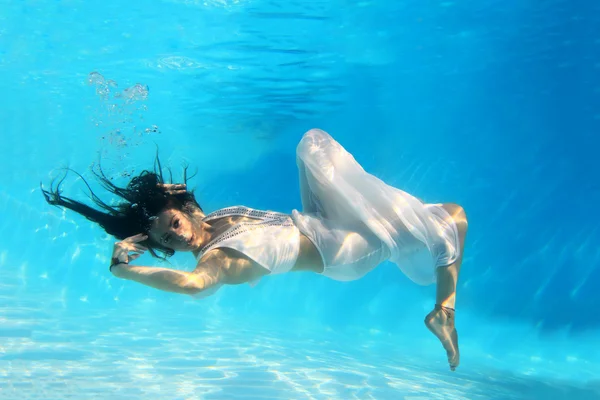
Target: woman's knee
{"type": "Point", "coordinates": [457, 212]}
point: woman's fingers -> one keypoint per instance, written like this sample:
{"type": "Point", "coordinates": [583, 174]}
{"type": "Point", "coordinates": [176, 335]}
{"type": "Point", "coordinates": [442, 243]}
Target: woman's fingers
{"type": "Point", "coordinates": [137, 247]}
{"type": "Point", "coordinates": [129, 249]}
{"type": "Point", "coordinates": [140, 237]}
{"type": "Point", "coordinates": [173, 188]}
{"type": "Point", "coordinates": [129, 245]}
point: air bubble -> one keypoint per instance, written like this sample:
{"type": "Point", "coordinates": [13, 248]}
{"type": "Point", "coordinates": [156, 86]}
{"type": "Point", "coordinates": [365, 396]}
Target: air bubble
{"type": "Point", "coordinates": [136, 92]}
{"type": "Point", "coordinates": [95, 78]}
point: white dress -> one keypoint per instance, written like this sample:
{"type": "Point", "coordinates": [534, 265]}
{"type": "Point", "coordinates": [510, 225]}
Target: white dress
{"type": "Point", "coordinates": [357, 221]}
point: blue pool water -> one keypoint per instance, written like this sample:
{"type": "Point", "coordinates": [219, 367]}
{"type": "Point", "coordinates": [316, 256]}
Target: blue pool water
{"type": "Point", "coordinates": [492, 105]}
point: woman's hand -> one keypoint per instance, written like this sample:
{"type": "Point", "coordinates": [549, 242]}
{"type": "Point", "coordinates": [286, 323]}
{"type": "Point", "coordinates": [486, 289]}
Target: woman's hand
{"type": "Point", "coordinates": [121, 251]}
{"type": "Point", "coordinates": [173, 188]}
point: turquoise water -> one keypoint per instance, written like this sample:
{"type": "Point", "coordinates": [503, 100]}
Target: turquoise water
{"type": "Point", "coordinates": [495, 106]}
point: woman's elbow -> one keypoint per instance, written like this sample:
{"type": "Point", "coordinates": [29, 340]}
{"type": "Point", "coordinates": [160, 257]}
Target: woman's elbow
{"type": "Point", "coordinates": [192, 290]}
{"type": "Point", "coordinates": [202, 292]}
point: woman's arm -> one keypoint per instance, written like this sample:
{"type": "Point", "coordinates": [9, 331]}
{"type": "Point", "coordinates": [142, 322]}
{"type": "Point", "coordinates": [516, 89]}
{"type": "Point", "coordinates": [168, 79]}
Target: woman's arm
{"type": "Point", "coordinates": [165, 279]}
{"type": "Point", "coordinates": [169, 280]}
{"type": "Point", "coordinates": [218, 266]}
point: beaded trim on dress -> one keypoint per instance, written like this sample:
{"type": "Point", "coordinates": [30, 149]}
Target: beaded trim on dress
{"type": "Point", "coordinates": [267, 218]}
{"type": "Point", "coordinates": [243, 211]}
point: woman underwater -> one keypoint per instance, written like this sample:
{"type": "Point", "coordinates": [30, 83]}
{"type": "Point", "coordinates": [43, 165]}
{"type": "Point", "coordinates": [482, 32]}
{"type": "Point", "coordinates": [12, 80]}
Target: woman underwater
{"type": "Point", "coordinates": [350, 222]}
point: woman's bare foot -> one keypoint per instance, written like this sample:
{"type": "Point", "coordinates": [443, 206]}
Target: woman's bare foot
{"type": "Point", "coordinates": [440, 322]}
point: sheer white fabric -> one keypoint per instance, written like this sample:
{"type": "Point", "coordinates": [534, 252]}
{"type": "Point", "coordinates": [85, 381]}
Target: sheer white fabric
{"type": "Point", "coordinates": [338, 194]}
{"type": "Point", "coordinates": [271, 239]}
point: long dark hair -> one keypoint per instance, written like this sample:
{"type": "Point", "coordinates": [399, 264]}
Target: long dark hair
{"type": "Point", "coordinates": [143, 199]}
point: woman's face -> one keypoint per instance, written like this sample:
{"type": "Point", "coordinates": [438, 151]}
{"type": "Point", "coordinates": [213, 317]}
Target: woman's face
{"type": "Point", "coordinates": [176, 230]}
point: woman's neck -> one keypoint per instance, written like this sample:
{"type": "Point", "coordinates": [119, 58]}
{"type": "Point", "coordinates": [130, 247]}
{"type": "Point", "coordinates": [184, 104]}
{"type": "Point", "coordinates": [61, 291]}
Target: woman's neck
{"type": "Point", "coordinates": [207, 231]}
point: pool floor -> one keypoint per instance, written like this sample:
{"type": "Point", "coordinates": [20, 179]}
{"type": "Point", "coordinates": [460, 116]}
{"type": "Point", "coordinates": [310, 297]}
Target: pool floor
{"type": "Point", "coordinates": [126, 354]}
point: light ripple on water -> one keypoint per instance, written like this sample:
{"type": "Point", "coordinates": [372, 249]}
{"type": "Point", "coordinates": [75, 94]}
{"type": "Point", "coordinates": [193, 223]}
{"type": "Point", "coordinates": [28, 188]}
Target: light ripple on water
{"type": "Point", "coordinates": [130, 357]}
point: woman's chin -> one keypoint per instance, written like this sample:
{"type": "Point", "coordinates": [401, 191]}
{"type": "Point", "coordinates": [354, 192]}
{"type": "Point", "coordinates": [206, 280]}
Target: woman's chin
{"type": "Point", "coordinates": [187, 248]}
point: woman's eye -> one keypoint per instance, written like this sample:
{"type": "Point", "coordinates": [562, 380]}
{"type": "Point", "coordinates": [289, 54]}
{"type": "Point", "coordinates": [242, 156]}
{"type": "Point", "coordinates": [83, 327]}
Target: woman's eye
{"type": "Point", "coordinates": [176, 224]}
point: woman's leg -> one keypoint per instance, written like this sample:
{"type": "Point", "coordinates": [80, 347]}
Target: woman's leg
{"type": "Point", "coordinates": [440, 321]}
